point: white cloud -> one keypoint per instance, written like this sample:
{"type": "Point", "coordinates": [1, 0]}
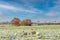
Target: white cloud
{"type": "Point", "coordinates": [51, 14]}
{"type": "Point", "coordinates": [7, 7]}
{"type": "Point", "coordinates": [21, 9]}
{"type": "Point", "coordinates": [13, 8]}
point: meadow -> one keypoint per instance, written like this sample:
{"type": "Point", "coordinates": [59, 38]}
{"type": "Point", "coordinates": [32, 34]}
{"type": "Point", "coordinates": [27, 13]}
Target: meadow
{"type": "Point", "coordinates": [42, 32]}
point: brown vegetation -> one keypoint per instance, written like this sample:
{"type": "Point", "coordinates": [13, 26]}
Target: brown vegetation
{"type": "Point", "coordinates": [26, 22]}
{"type": "Point", "coordinates": [17, 22]}
{"type": "Point", "coordinates": [25, 33]}
{"type": "Point", "coordinates": [33, 32]}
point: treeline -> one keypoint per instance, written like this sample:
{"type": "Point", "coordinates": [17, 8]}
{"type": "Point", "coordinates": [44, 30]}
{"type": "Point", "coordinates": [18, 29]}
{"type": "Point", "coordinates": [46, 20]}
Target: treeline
{"type": "Point", "coordinates": [18, 22]}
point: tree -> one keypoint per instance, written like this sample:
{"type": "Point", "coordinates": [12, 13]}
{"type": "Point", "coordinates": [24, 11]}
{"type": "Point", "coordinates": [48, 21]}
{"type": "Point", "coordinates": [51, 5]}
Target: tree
{"type": "Point", "coordinates": [16, 21]}
{"type": "Point", "coordinates": [26, 22]}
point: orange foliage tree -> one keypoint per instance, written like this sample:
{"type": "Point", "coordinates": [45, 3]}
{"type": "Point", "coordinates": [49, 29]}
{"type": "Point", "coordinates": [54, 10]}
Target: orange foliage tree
{"type": "Point", "coordinates": [16, 21]}
{"type": "Point", "coordinates": [26, 22]}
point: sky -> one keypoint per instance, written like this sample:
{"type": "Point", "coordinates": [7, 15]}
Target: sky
{"type": "Point", "coordinates": [36, 10]}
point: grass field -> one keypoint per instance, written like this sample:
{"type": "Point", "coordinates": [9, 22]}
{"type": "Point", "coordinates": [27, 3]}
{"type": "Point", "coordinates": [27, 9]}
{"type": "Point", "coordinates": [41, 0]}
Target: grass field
{"type": "Point", "coordinates": [43, 32]}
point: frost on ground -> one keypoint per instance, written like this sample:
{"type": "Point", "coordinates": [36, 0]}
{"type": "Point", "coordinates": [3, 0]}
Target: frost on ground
{"type": "Point", "coordinates": [30, 33]}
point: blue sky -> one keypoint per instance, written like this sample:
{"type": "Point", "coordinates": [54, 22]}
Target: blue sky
{"type": "Point", "coordinates": [30, 9]}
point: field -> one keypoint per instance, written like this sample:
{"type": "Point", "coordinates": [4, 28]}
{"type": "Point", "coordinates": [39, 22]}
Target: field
{"type": "Point", "coordinates": [43, 32]}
